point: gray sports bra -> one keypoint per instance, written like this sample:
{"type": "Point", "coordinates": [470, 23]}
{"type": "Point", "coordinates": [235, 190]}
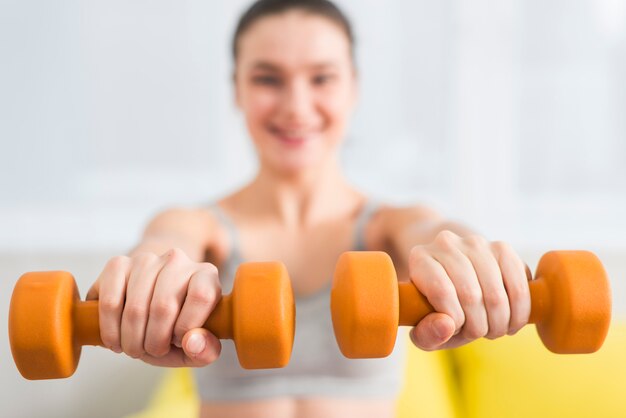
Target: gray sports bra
{"type": "Point", "coordinates": [317, 367]}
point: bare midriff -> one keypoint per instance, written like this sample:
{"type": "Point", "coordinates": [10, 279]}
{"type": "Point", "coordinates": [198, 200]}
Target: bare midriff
{"type": "Point", "coordinates": [301, 408]}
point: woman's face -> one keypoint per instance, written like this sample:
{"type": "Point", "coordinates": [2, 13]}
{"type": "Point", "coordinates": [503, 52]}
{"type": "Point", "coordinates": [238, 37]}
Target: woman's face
{"type": "Point", "coordinates": [296, 86]}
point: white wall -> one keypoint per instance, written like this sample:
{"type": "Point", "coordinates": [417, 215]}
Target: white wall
{"type": "Point", "coordinates": [508, 115]}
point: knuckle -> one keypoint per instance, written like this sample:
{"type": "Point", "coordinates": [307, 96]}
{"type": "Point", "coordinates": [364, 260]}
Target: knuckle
{"type": "Point", "coordinates": [476, 331]}
{"type": "Point", "coordinates": [475, 241]}
{"type": "Point", "coordinates": [117, 263]}
{"type": "Point", "coordinates": [419, 259]}
{"type": "Point", "coordinates": [134, 353]}
{"type": "Point", "coordinates": [209, 269]}
{"type": "Point", "coordinates": [132, 349]}
{"type": "Point", "coordinates": [439, 293]}
{"type": "Point", "coordinates": [446, 239]}
{"type": "Point", "coordinates": [501, 247]}
{"type": "Point", "coordinates": [519, 293]}
{"type": "Point", "coordinates": [109, 338]}
{"type": "Point", "coordinates": [515, 325]}
{"type": "Point", "coordinates": [519, 320]}
{"type": "Point", "coordinates": [524, 271]}
{"type": "Point", "coordinates": [109, 304]}
{"type": "Point", "coordinates": [203, 297]}
{"type": "Point", "coordinates": [135, 312]}
{"type": "Point", "coordinates": [417, 254]}
{"type": "Point", "coordinates": [144, 259]}
{"type": "Point", "coordinates": [494, 299]}
{"type": "Point", "coordinates": [156, 348]}
{"type": "Point", "coordinates": [494, 334]}
{"type": "Point", "coordinates": [164, 309]}
{"type": "Point", "coordinates": [459, 320]}
{"type": "Point", "coordinates": [175, 255]}
{"type": "Point", "coordinates": [471, 296]}
{"type": "Point", "coordinates": [512, 331]}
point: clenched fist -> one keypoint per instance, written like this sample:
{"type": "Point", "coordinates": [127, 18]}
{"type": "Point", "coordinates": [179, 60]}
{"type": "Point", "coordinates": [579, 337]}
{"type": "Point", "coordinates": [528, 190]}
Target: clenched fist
{"type": "Point", "coordinates": [152, 307]}
{"type": "Point", "coordinates": [478, 288]}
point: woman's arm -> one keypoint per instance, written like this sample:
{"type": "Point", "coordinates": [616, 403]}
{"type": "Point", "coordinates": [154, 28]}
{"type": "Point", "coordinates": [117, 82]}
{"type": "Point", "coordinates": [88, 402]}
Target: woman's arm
{"type": "Point", "coordinates": [195, 231]}
{"type": "Point", "coordinates": [477, 287]}
{"type": "Point", "coordinates": [398, 230]}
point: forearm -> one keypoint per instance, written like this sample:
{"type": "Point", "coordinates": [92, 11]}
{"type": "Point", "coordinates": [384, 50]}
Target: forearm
{"type": "Point", "coordinates": [403, 239]}
{"type": "Point", "coordinates": [193, 231]}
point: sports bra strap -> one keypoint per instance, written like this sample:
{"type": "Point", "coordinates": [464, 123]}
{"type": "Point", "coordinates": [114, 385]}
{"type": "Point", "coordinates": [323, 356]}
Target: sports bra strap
{"type": "Point", "coordinates": [370, 207]}
{"type": "Point", "coordinates": [234, 258]}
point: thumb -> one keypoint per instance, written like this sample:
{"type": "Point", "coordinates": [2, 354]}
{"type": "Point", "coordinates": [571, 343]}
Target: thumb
{"type": "Point", "coordinates": [201, 347]}
{"type": "Point", "coordinates": [433, 331]}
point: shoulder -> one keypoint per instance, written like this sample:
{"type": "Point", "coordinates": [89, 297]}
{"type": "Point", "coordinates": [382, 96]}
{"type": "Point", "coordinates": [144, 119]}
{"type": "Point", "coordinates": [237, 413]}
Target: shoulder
{"type": "Point", "coordinates": [388, 220]}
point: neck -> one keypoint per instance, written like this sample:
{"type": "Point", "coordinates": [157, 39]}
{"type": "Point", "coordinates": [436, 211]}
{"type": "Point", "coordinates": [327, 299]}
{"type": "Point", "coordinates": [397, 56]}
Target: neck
{"type": "Point", "coordinates": [301, 199]}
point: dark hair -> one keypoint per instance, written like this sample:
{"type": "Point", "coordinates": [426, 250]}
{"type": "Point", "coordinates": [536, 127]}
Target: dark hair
{"type": "Point", "coordinates": [262, 8]}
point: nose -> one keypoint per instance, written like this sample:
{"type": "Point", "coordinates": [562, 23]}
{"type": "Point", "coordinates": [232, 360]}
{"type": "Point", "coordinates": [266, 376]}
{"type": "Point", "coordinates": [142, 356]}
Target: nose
{"type": "Point", "coordinates": [297, 101]}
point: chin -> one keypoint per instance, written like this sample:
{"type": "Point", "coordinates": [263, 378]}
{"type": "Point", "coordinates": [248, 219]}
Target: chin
{"type": "Point", "coordinates": [293, 159]}
{"type": "Point", "coordinates": [294, 165]}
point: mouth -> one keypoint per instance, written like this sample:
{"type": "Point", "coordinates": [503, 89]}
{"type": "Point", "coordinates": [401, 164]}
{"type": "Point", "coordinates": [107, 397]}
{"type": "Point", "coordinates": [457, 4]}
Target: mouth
{"type": "Point", "coordinates": [293, 137]}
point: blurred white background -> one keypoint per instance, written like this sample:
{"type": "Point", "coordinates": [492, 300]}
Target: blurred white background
{"type": "Point", "coordinates": [507, 115]}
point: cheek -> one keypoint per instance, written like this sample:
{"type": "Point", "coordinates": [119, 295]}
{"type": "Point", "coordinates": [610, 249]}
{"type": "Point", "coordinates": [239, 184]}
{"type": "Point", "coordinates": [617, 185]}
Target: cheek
{"type": "Point", "coordinates": [337, 109]}
{"type": "Point", "coordinates": [258, 106]}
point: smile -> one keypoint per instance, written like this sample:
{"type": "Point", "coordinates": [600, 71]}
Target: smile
{"type": "Point", "coordinates": [293, 137]}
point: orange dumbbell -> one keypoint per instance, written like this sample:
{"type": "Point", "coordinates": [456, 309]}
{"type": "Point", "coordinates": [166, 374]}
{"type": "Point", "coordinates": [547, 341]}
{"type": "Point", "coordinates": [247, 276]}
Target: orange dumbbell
{"type": "Point", "coordinates": [48, 323]}
{"type": "Point", "coordinates": [570, 303]}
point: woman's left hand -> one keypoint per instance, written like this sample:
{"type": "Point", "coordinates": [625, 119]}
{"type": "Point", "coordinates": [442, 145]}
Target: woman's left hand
{"type": "Point", "coordinates": [478, 289]}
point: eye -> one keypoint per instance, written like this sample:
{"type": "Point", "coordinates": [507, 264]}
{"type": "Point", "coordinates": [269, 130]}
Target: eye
{"type": "Point", "coordinates": [322, 79]}
{"type": "Point", "coordinates": [266, 80]}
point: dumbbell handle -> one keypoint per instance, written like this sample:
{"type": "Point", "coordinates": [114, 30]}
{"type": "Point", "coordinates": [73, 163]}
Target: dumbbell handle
{"type": "Point", "coordinates": [414, 306]}
{"type": "Point", "coordinates": [87, 324]}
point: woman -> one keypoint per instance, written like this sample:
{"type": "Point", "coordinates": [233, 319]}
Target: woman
{"type": "Point", "coordinates": [296, 83]}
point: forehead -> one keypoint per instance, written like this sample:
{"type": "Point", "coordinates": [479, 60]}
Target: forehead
{"type": "Point", "coordinates": [292, 40]}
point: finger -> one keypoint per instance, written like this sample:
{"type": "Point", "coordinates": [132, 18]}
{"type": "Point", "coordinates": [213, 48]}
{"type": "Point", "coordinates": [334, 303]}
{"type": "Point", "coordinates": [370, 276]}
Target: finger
{"type": "Point", "coordinates": [111, 291]}
{"type": "Point", "coordinates": [94, 291]}
{"type": "Point", "coordinates": [144, 271]}
{"type": "Point", "coordinates": [178, 357]}
{"type": "Point", "coordinates": [167, 299]}
{"type": "Point", "coordinates": [203, 294]}
{"type": "Point", "coordinates": [432, 331]}
{"type": "Point", "coordinates": [432, 280]}
{"type": "Point", "coordinates": [456, 341]}
{"type": "Point", "coordinates": [463, 276]}
{"type": "Point", "coordinates": [201, 347]}
{"type": "Point", "coordinates": [495, 298]}
{"type": "Point", "coordinates": [515, 275]}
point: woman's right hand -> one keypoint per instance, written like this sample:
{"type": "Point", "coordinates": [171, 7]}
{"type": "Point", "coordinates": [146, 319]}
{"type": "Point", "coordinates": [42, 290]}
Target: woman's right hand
{"type": "Point", "coordinates": [153, 307]}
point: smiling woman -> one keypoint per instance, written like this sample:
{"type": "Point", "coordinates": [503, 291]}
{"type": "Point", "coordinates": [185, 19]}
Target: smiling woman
{"type": "Point", "coordinates": [504, 114]}
{"type": "Point", "coordinates": [296, 85]}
